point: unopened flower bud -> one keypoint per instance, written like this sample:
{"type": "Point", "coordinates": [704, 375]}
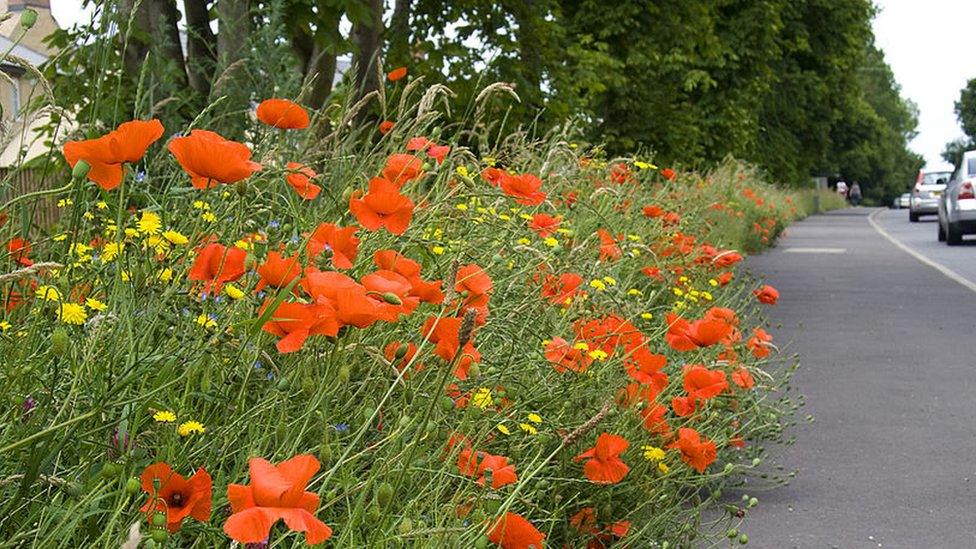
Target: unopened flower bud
{"type": "Point", "coordinates": [80, 171]}
{"type": "Point", "coordinates": [401, 351]}
{"type": "Point", "coordinates": [384, 494]}
{"type": "Point", "coordinates": [392, 298]}
{"type": "Point", "coordinates": [132, 486]}
{"type": "Point", "coordinates": [241, 187]}
{"type": "Point", "coordinates": [28, 18]}
{"type": "Point", "coordinates": [59, 342]}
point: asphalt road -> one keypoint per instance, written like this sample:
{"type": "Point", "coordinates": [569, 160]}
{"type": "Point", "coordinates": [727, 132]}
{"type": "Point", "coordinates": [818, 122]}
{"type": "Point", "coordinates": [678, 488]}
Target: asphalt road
{"type": "Point", "coordinates": [888, 365]}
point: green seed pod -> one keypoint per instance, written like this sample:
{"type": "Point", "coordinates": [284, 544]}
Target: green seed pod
{"type": "Point", "coordinates": [325, 452]}
{"type": "Point", "coordinates": [406, 526]}
{"type": "Point", "coordinates": [242, 187]}
{"type": "Point", "coordinates": [481, 542]}
{"type": "Point", "coordinates": [728, 468]}
{"type": "Point", "coordinates": [753, 502]}
{"type": "Point", "coordinates": [60, 342]}
{"type": "Point", "coordinates": [384, 494]}
{"type": "Point", "coordinates": [109, 471]}
{"type": "Point", "coordinates": [283, 385]}
{"type": "Point", "coordinates": [73, 489]}
{"type": "Point", "coordinates": [346, 194]}
{"type": "Point", "coordinates": [159, 535]}
{"type": "Point", "coordinates": [743, 539]}
{"type": "Point", "coordinates": [756, 462]}
{"type": "Point", "coordinates": [133, 486]}
{"type": "Point", "coordinates": [344, 373]}
{"type": "Point", "coordinates": [732, 533]}
{"type": "Point", "coordinates": [28, 18]}
{"type": "Point", "coordinates": [447, 403]}
{"type": "Point", "coordinates": [159, 520]}
{"type": "Point", "coordinates": [80, 171]}
{"type": "Point", "coordinates": [474, 370]}
{"type": "Point", "coordinates": [404, 421]}
{"type": "Point", "coordinates": [392, 299]}
{"type": "Point", "coordinates": [401, 351]}
{"type": "Point", "coordinates": [374, 514]}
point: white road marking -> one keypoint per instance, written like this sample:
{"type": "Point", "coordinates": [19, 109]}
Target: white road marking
{"type": "Point", "coordinates": [815, 250]}
{"type": "Point", "coordinates": [934, 264]}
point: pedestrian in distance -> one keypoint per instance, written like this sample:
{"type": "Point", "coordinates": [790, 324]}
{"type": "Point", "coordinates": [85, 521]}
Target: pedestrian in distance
{"type": "Point", "coordinates": [854, 194]}
{"type": "Point", "coordinates": [842, 189]}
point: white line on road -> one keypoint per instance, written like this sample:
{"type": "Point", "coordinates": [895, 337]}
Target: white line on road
{"type": "Point", "coordinates": [815, 250]}
{"type": "Point", "coordinates": [934, 264]}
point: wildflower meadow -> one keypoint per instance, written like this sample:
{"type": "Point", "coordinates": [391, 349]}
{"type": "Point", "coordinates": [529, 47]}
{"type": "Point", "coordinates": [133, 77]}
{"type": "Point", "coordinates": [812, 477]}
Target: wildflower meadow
{"type": "Point", "coordinates": [414, 331]}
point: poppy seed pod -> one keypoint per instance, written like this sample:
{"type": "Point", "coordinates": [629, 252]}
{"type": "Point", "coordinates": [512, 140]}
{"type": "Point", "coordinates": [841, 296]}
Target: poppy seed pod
{"type": "Point", "coordinates": [59, 342]}
{"type": "Point", "coordinates": [392, 299]}
{"type": "Point", "coordinates": [132, 486]}
{"type": "Point", "coordinates": [28, 18]}
{"type": "Point", "coordinates": [384, 494]}
{"type": "Point", "coordinates": [80, 171]}
{"type": "Point", "coordinates": [406, 526]}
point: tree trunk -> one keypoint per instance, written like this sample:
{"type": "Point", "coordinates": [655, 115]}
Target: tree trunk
{"type": "Point", "coordinates": [234, 29]}
{"type": "Point", "coordinates": [154, 27]}
{"type": "Point", "coordinates": [322, 68]}
{"type": "Point", "coordinates": [201, 49]}
{"type": "Point", "coordinates": [366, 42]}
{"type": "Point", "coordinates": [398, 36]}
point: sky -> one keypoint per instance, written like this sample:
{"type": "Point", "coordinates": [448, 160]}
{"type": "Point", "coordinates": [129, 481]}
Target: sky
{"type": "Point", "coordinates": [928, 43]}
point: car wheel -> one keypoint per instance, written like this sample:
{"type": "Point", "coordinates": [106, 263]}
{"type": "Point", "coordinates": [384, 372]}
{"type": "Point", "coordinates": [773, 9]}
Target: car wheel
{"type": "Point", "coordinates": [912, 216]}
{"type": "Point", "coordinates": [953, 235]}
{"type": "Point", "coordinates": [942, 234]}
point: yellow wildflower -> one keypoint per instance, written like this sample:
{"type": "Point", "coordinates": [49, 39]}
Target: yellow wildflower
{"type": "Point", "coordinates": [164, 416]}
{"type": "Point", "coordinates": [125, 276]}
{"type": "Point", "coordinates": [634, 292]}
{"type": "Point", "coordinates": [4, 325]}
{"type": "Point", "coordinates": [598, 354]}
{"type": "Point", "coordinates": [48, 293]}
{"type": "Point", "coordinates": [165, 275]}
{"type": "Point", "coordinates": [149, 223]}
{"type": "Point", "coordinates": [88, 216]}
{"type": "Point", "coordinates": [201, 205]}
{"type": "Point", "coordinates": [462, 171]}
{"type": "Point", "coordinates": [101, 205]}
{"type": "Point", "coordinates": [233, 291]}
{"type": "Point", "coordinates": [523, 241]}
{"type": "Point", "coordinates": [131, 233]}
{"type": "Point", "coordinates": [60, 238]}
{"type": "Point", "coordinates": [581, 346]}
{"type": "Point", "coordinates": [653, 453]}
{"type": "Point", "coordinates": [191, 427]}
{"type": "Point", "coordinates": [503, 429]}
{"type": "Point", "coordinates": [209, 217]}
{"type": "Point", "coordinates": [610, 280]}
{"type": "Point", "coordinates": [175, 238]}
{"type": "Point", "coordinates": [158, 243]}
{"type": "Point", "coordinates": [462, 207]}
{"type": "Point", "coordinates": [535, 418]}
{"type": "Point", "coordinates": [504, 217]}
{"type": "Point", "coordinates": [95, 304]}
{"type": "Point", "coordinates": [663, 467]}
{"type": "Point", "coordinates": [437, 250]}
{"type": "Point", "coordinates": [482, 398]}
{"type": "Point", "coordinates": [244, 245]}
{"type": "Point", "coordinates": [206, 322]}
{"type": "Point", "coordinates": [72, 313]}
{"type": "Point", "coordinates": [551, 242]}
{"type": "Point", "coordinates": [598, 284]}
{"type": "Point", "coordinates": [111, 250]}
{"type": "Point", "coordinates": [530, 429]}
{"type": "Point", "coordinates": [646, 316]}
{"type": "Point", "coordinates": [65, 202]}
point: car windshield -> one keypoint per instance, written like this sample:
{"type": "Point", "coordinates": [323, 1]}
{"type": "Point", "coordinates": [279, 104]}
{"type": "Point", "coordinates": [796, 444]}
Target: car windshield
{"type": "Point", "coordinates": [933, 178]}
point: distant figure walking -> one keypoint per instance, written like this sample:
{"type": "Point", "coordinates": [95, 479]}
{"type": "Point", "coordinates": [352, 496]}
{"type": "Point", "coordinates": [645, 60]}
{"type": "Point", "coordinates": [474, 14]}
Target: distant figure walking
{"type": "Point", "coordinates": [854, 194]}
{"type": "Point", "coordinates": [842, 189]}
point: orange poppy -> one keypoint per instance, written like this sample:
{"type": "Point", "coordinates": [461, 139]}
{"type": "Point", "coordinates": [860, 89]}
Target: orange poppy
{"type": "Point", "coordinates": [294, 323]}
{"type": "Point", "coordinates": [392, 293]}
{"type": "Point", "coordinates": [396, 74]}
{"type": "Point", "coordinates": [700, 382]}
{"type": "Point", "coordinates": [760, 344]}
{"type": "Point", "coordinates": [523, 188]}
{"type": "Point", "coordinates": [401, 168]}
{"type": "Point", "coordinates": [419, 143]}
{"type": "Point", "coordinates": [564, 356]}
{"type": "Point", "coordinates": [514, 532]}
{"type": "Point", "coordinates": [443, 332]}
{"type": "Point", "coordinates": [107, 155]}
{"type": "Point", "coordinates": [177, 497]}
{"type": "Point", "coordinates": [502, 472]}
{"type": "Point", "coordinates": [300, 178]}
{"type": "Point", "coordinates": [644, 366]}
{"type": "Point", "coordinates": [724, 278]}
{"type": "Point", "coordinates": [544, 224]}
{"type": "Point", "coordinates": [688, 336]}
{"type": "Point", "coordinates": [382, 206]}
{"type": "Point", "coordinates": [493, 176]}
{"type": "Point", "coordinates": [653, 211]}
{"type": "Point", "coordinates": [696, 451]}
{"type": "Point", "coordinates": [474, 284]}
{"type": "Point", "coordinates": [727, 259]}
{"type": "Point", "coordinates": [609, 250]}
{"type": "Point", "coordinates": [767, 294]}
{"type": "Point", "coordinates": [216, 265]}
{"type": "Point", "coordinates": [19, 249]}
{"type": "Point", "coordinates": [352, 304]}
{"type": "Point", "coordinates": [743, 378]}
{"type": "Point", "coordinates": [604, 465]}
{"type": "Point", "coordinates": [210, 159]}
{"type": "Point", "coordinates": [341, 241]}
{"type": "Point", "coordinates": [669, 174]}
{"type": "Point", "coordinates": [276, 492]}
{"type": "Point", "coordinates": [654, 419]}
{"type": "Point", "coordinates": [559, 290]}
{"type": "Point", "coordinates": [277, 271]}
{"type": "Point", "coordinates": [438, 152]}
{"type": "Point", "coordinates": [386, 126]}
{"type": "Point", "coordinates": [283, 114]}
{"type": "Point", "coordinates": [428, 292]}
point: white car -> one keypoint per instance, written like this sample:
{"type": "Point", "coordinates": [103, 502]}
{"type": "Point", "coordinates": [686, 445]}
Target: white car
{"type": "Point", "coordinates": [928, 188]}
{"type": "Point", "coordinates": [957, 206]}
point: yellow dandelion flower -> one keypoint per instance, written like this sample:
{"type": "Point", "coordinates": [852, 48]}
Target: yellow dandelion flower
{"type": "Point", "coordinates": [101, 205]}
{"type": "Point", "coordinates": [598, 284]}
{"type": "Point", "coordinates": [131, 233]}
{"type": "Point", "coordinates": [95, 304]}
{"type": "Point", "coordinates": [634, 237]}
{"type": "Point", "coordinates": [646, 316]}
{"type": "Point", "coordinates": [482, 398]}
{"type": "Point", "coordinates": [60, 238]}
{"type": "Point", "coordinates": [158, 243]}
{"type": "Point", "coordinates": [641, 165]}
{"type": "Point", "coordinates": [206, 322]}
{"type": "Point", "coordinates": [175, 238]}
{"type": "Point", "coordinates": [4, 325]}
{"type": "Point", "coordinates": [125, 276]}
{"type": "Point", "coordinates": [233, 291]}
{"type": "Point", "coordinates": [462, 207]}
{"type": "Point", "coordinates": [111, 250]}
{"type": "Point", "coordinates": [505, 217]}
{"type": "Point", "coordinates": [707, 295]}
{"type": "Point", "coordinates": [712, 282]}
{"type": "Point", "coordinates": [610, 280]}
{"type": "Point", "coordinates": [462, 171]}
{"type": "Point", "coordinates": [503, 429]}
{"type": "Point", "coordinates": [682, 279]}
{"type": "Point", "coordinates": [634, 253]}
{"type": "Point", "coordinates": [244, 245]}
{"type": "Point", "coordinates": [48, 293]}
{"type": "Point", "coordinates": [564, 231]}
{"type": "Point", "coordinates": [188, 428]}
{"type": "Point", "coordinates": [653, 453]}
{"type": "Point", "coordinates": [551, 242]}
{"type": "Point", "coordinates": [72, 313]}
{"type": "Point", "coordinates": [634, 292]}
{"type": "Point", "coordinates": [663, 467]}
{"type": "Point", "coordinates": [581, 346]}
{"type": "Point", "coordinates": [65, 202]}
{"type": "Point", "coordinates": [164, 416]}
{"type": "Point", "coordinates": [225, 194]}
{"type": "Point", "coordinates": [88, 216]}
{"type": "Point", "coordinates": [201, 205]}
{"type": "Point", "coordinates": [535, 418]}
{"type": "Point", "coordinates": [598, 354]}
{"type": "Point", "coordinates": [209, 217]}
{"type": "Point", "coordinates": [530, 429]}
{"type": "Point", "coordinates": [489, 160]}
{"type": "Point", "coordinates": [523, 241]}
{"type": "Point", "coordinates": [678, 292]}
{"type": "Point", "coordinates": [437, 250]}
{"type": "Point", "coordinates": [165, 275]}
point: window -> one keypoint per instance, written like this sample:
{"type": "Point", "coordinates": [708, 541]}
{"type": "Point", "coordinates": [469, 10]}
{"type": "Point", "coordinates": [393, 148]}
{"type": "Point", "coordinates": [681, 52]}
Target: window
{"type": "Point", "coordinates": [970, 167]}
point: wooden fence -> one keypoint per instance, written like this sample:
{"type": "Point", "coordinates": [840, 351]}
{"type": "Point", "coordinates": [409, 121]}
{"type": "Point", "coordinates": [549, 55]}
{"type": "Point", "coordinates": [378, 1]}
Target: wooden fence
{"type": "Point", "coordinates": [42, 212]}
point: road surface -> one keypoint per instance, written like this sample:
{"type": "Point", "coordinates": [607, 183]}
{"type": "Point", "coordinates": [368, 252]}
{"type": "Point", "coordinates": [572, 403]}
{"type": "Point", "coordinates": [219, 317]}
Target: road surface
{"type": "Point", "coordinates": [887, 345]}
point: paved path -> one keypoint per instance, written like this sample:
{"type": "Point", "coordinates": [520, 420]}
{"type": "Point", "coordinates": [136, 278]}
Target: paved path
{"type": "Point", "coordinates": [888, 353]}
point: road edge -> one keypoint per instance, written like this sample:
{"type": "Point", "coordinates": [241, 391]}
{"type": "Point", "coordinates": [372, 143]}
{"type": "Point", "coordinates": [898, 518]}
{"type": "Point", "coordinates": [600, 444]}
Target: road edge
{"type": "Point", "coordinates": [953, 275]}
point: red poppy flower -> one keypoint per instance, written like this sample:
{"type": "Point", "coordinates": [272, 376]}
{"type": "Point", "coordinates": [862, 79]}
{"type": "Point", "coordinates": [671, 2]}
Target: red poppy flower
{"type": "Point", "coordinates": [767, 294]}
{"type": "Point", "coordinates": [300, 178]}
{"type": "Point", "coordinates": [644, 366]}
{"type": "Point", "coordinates": [419, 143]}
{"type": "Point", "coordinates": [696, 451]}
{"type": "Point", "coordinates": [523, 188]}
{"type": "Point", "coordinates": [684, 406]}
{"type": "Point", "coordinates": [493, 176]}
{"type": "Point", "coordinates": [294, 323]}
{"type": "Point", "coordinates": [177, 497]}
{"type": "Point", "coordinates": [724, 278]}
{"type": "Point", "coordinates": [341, 241]}
{"type": "Point", "coordinates": [216, 265]}
{"type": "Point", "coordinates": [386, 126]}
{"type": "Point", "coordinates": [655, 420]}
{"type": "Point", "coordinates": [700, 382]}
{"type": "Point", "coordinates": [107, 154]}
{"type": "Point", "coordinates": [502, 472]}
{"type": "Point", "coordinates": [401, 168]}
{"type": "Point", "coordinates": [210, 159]}
{"type": "Point", "coordinates": [562, 289]}
{"type": "Point", "coordinates": [444, 333]}
{"type": "Point", "coordinates": [392, 293]}
{"type": "Point", "coordinates": [438, 152]}
{"type": "Point", "coordinates": [635, 393]}
{"type": "Point", "coordinates": [277, 271]}
{"type": "Point", "coordinates": [19, 249]}
{"type": "Point", "coordinates": [382, 206]}
{"type": "Point", "coordinates": [653, 272]}
{"type": "Point", "coordinates": [688, 336]}
{"type": "Point", "coordinates": [544, 224]}
{"type": "Point", "coordinates": [396, 74]}
{"type": "Point", "coordinates": [760, 344]}
{"type": "Point", "coordinates": [620, 173]}
{"type": "Point", "coordinates": [276, 492]}
{"type": "Point", "coordinates": [473, 283]}
{"type": "Point", "coordinates": [669, 174]}
{"type": "Point", "coordinates": [282, 113]}
{"type": "Point", "coordinates": [727, 259]}
{"type": "Point", "coordinates": [514, 532]}
{"type": "Point", "coordinates": [743, 378]}
{"type": "Point", "coordinates": [609, 250]}
{"type": "Point", "coordinates": [428, 292]}
{"type": "Point", "coordinates": [400, 356]}
{"type": "Point", "coordinates": [653, 211]}
{"type": "Point", "coordinates": [604, 465]}
{"type": "Point", "coordinates": [352, 304]}
{"type": "Point", "coordinates": [564, 356]}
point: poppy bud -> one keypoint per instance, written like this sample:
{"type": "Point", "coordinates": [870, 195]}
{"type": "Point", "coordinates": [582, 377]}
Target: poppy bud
{"type": "Point", "coordinates": [406, 526]}
{"type": "Point", "coordinates": [756, 462]}
{"type": "Point", "coordinates": [743, 539]}
{"type": "Point", "coordinates": [132, 486]}
{"type": "Point", "coordinates": [728, 468]}
{"type": "Point", "coordinates": [344, 373]}
{"type": "Point", "coordinates": [447, 404]}
{"type": "Point", "coordinates": [80, 171]}
{"type": "Point", "coordinates": [325, 452]}
{"type": "Point", "coordinates": [160, 535]}
{"type": "Point", "coordinates": [392, 298]}
{"type": "Point", "coordinates": [346, 194]}
{"type": "Point", "coordinates": [59, 342]}
{"type": "Point", "coordinates": [109, 471]}
{"type": "Point", "coordinates": [241, 187]}
{"type": "Point", "coordinates": [474, 370]}
{"type": "Point", "coordinates": [374, 514]}
{"type": "Point", "coordinates": [488, 475]}
{"type": "Point", "coordinates": [732, 533]}
{"type": "Point", "coordinates": [753, 502]}
{"type": "Point", "coordinates": [159, 520]}
{"type": "Point", "coordinates": [28, 18]}
{"type": "Point", "coordinates": [384, 494]}
{"type": "Point", "coordinates": [481, 542]}
{"type": "Point", "coordinates": [401, 351]}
